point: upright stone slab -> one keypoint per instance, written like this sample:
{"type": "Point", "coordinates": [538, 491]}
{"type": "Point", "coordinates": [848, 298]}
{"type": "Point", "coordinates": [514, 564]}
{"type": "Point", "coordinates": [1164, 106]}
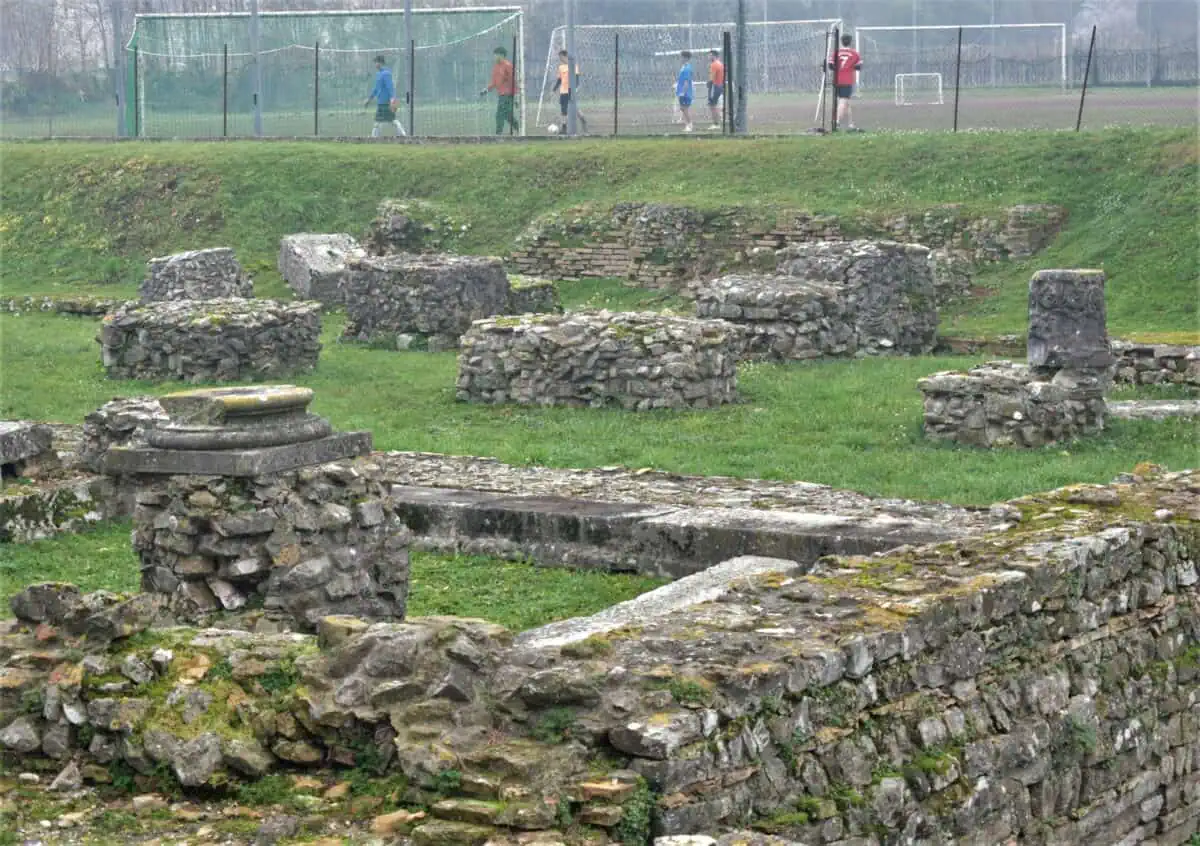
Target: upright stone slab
{"type": "Point", "coordinates": [314, 265]}
{"type": "Point", "coordinates": [1067, 322]}
{"type": "Point", "coordinates": [243, 500]}
{"type": "Point", "coordinates": [195, 275]}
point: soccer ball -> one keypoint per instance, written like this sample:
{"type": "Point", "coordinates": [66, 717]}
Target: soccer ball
{"type": "Point", "coordinates": [552, 129]}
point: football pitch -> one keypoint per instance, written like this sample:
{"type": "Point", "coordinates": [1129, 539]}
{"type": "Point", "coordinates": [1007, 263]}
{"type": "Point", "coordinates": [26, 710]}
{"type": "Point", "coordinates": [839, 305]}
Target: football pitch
{"type": "Point", "coordinates": [768, 114]}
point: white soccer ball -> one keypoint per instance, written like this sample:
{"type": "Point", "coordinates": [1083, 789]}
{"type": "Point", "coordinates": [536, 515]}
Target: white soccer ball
{"type": "Point", "coordinates": [552, 129]}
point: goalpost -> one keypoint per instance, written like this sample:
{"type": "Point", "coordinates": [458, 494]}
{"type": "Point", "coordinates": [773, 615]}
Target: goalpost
{"type": "Point", "coordinates": [782, 57]}
{"type": "Point", "coordinates": [191, 74]}
{"type": "Point", "coordinates": [993, 55]}
{"type": "Point", "coordinates": [919, 89]}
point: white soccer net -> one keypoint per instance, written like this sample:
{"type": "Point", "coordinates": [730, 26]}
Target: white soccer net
{"type": "Point", "coordinates": [919, 89]}
{"type": "Point", "coordinates": [782, 57]}
{"type": "Point", "coordinates": [998, 56]}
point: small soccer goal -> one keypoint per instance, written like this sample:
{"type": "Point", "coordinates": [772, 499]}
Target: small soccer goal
{"type": "Point", "coordinates": [919, 89]}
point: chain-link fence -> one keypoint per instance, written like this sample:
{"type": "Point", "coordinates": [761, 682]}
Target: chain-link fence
{"type": "Point", "coordinates": [195, 76]}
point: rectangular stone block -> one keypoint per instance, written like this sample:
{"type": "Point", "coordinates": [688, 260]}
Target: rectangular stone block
{"type": "Point", "coordinates": [243, 463]}
{"type": "Point", "coordinates": [1067, 322]}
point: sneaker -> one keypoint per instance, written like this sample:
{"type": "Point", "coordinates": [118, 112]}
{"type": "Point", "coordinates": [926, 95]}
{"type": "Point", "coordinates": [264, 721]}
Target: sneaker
{"type": "Point", "coordinates": [687, 128]}
{"type": "Point", "coordinates": [714, 127]}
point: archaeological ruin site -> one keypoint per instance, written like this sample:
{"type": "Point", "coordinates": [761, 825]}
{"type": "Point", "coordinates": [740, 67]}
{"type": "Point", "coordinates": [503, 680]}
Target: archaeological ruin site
{"type": "Point", "coordinates": [814, 667]}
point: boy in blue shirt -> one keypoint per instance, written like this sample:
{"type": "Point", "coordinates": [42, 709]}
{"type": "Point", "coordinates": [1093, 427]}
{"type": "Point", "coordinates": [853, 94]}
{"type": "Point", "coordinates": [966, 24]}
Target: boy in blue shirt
{"type": "Point", "coordinates": [683, 90]}
{"type": "Point", "coordinates": [384, 97]}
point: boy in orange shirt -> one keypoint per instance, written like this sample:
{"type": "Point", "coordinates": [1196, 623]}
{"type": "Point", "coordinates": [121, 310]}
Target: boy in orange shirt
{"type": "Point", "coordinates": [716, 87]}
{"type": "Point", "coordinates": [504, 83]}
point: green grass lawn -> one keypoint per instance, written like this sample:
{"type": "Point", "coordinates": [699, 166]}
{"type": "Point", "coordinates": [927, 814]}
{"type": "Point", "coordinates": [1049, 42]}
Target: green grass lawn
{"type": "Point", "coordinates": [79, 217]}
{"type": "Point", "coordinates": [517, 595]}
{"type": "Point", "coordinates": [851, 424]}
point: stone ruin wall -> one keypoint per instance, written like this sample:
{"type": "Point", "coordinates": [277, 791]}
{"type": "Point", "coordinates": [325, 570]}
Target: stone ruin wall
{"type": "Point", "coordinates": [433, 296]}
{"type": "Point", "coordinates": [845, 298]}
{"type": "Point", "coordinates": [299, 545]}
{"type": "Point", "coordinates": [1156, 364]}
{"type": "Point", "coordinates": [1040, 683]}
{"type": "Point", "coordinates": [630, 360]}
{"type": "Point", "coordinates": [196, 275]}
{"type": "Point", "coordinates": [663, 246]}
{"type": "Point", "coordinates": [221, 340]}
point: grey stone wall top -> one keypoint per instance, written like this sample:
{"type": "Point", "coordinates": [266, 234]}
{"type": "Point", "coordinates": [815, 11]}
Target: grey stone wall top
{"type": "Point", "coordinates": [195, 275]}
{"type": "Point", "coordinates": [20, 440]}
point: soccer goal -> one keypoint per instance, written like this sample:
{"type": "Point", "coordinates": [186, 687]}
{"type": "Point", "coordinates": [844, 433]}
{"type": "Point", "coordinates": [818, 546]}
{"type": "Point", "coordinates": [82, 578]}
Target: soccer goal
{"type": "Point", "coordinates": [919, 89]}
{"type": "Point", "coordinates": [782, 58]}
{"type": "Point", "coordinates": [993, 55]}
{"type": "Point", "coordinates": [192, 75]}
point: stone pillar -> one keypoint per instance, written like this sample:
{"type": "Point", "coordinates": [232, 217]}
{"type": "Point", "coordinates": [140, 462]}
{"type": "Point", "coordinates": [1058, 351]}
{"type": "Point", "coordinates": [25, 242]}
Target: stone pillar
{"type": "Point", "coordinates": [1067, 324]}
{"type": "Point", "coordinates": [246, 500]}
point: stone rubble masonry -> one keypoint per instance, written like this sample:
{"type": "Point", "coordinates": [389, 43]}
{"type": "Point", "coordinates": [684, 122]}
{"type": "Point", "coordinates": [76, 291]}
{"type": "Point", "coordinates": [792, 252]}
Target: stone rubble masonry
{"type": "Point", "coordinates": [196, 275]}
{"type": "Point", "coordinates": [1156, 364]}
{"type": "Point", "coordinates": [1001, 404]}
{"type": "Point", "coordinates": [666, 246]}
{"type": "Point", "coordinates": [1036, 682]}
{"type": "Point", "coordinates": [119, 422]}
{"type": "Point", "coordinates": [832, 299]}
{"type": "Point", "coordinates": [78, 304]}
{"type": "Point", "coordinates": [630, 360]}
{"type": "Point", "coordinates": [26, 449]}
{"type": "Point", "coordinates": [529, 295]}
{"type": "Point", "coordinates": [435, 296]}
{"type": "Point", "coordinates": [299, 545]}
{"type": "Point", "coordinates": [412, 226]}
{"type": "Point", "coordinates": [220, 340]}
{"type": "Point", "coordinates": [35, 512]}
{"type": "Point", "coordinates": [1067, 323]}
{"type": "Point", "coordinates": [313, 265]}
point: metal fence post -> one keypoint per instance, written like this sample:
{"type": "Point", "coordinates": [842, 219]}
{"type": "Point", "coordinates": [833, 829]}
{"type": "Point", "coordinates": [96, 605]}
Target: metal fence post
{"type": "Point", "coordinates": [317, 89]}
{"type": "Point", "coordinates": [837, 46]}
{"type": "Point", "coordinates": [137, 97]}
{"type": "Point", "coordinates": [739, 116]}
{"type": "Point", "coordinates": [726, 109]}
{"type": "Point", "coordinates": [957, 76]}
{"type": "Point", "coordinates": [225, 91]}
{"type": "Point", "coordinates": [1087, 69]}
{"type": "Point", "coordinates": [412, 87]}
{"type": "Point", "coordinates": [516, 89]}
{"type": "Point", "coordinates": [616, 83]}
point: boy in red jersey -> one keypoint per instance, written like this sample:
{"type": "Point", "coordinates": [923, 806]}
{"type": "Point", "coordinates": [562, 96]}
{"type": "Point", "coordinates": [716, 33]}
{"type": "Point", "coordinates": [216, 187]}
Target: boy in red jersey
{"type": "Point", "coordinates": [845, 64]}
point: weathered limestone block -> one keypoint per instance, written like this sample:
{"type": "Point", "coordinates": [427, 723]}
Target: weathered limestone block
{"type": "Point", "coordinates": [1006, 404]}
{"type": "Point", "coordinates": [412, 226]}
{"type": "Point", "coordinates": [635, 361]}
{"type": "Point", "coordinates": [1155, 364]}
{"type": "Point", "coordinates": [783, 318]}
{"type": "Point", "coordinates": [1067, 324]}
{"type": "Point", "coordinates": [435, 296]}
{"type": "Point", "coordinates": [888, 288]}
{"type": "Point", "coordinates": [33, 512]}
{"type": "Point", "coordinates": [26, 449]}
{"type": "Point", "coordinates": [313, 265]}
{"type": "Point", "coordinates": [529, 295]}
{"type": "Point", "coordinates": [197, 275]}
{"type": "Point", "coordinates": [221, 340]}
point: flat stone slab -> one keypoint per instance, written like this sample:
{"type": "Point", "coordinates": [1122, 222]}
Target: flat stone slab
{"type": "Point", "coordinates": [248, 462]}
{"type": "Point", "coordinates": [1154, 409]}
{"type": "Point", "coordinates": [20, 440]}
{"type": "Point", "coordinates": [706, 586]}
{"type": "Point", "coordinates": [652, 539]}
